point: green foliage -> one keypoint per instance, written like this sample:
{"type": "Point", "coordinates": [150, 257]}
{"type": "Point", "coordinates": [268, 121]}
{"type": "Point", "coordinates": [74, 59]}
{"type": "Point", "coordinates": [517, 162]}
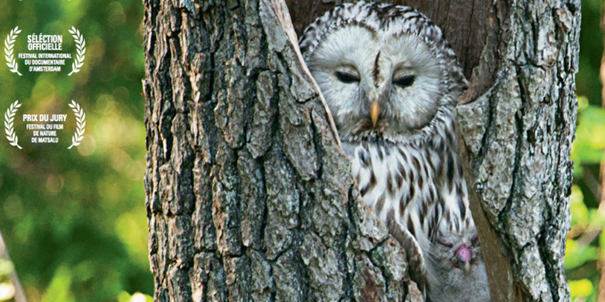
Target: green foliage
{"type": "Point", "coordinates": [591, 49]}
{"type": "Point", "coordinates": [136, 297]}
{"type": "Point", "coordinates": [578, 254]}
{"type": "Point", "coordinates": [581, 257]}
{"type": "Point", "coordinates": [589, 145]}
{"type": "Point", "coordinates": [579, 212]}
{"type": "Point", "coordinates": [6, 267]}
{"type": "Point", "coordinates": [59, 288]}
{"type": "Point", "coordinates": [582, 288]}
{"type": "Point", "coordinates": [74, 220]}
{"type": "Point", "coordinates": [7, 291]}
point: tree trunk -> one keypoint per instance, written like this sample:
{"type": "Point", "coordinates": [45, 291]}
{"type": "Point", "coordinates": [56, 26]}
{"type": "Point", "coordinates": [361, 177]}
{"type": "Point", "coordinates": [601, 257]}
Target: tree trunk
{"type": "Point", "coordinates": [250, 197]}
{"type": "Point", "coordinates": [517, 134]}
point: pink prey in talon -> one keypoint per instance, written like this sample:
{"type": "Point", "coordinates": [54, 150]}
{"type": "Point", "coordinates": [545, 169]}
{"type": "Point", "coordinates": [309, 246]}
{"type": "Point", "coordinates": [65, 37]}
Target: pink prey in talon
{"type": "Point", "coordinates": [463, 255]}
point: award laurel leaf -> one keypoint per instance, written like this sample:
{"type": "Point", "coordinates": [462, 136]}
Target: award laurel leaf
{"type": "Point", "coordinates": [80, 123]}
{"type": "Point", "coordinates": [9, 44]}
{"type": "Point", "coordinates": [8, 124]}
{"type": "Point", "coordinates": [80, 50]}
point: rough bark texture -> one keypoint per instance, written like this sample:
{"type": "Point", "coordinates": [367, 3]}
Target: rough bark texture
{"type": "Point", "coordinates": [517, 127]}
{"type": "Point", "coordinates": [250, 197]}
{"type": "Point", "coordinates": [249, 194]}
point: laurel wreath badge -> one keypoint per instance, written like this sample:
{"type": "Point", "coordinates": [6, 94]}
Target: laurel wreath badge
{"type": "Point", "coordinates": [81, 123]}
{"type": "Point", "coordinates": [9, 44]}
{"type": "Point", "coordinates": [9, 117]}
{"type": "Point", "coordinates": [81, 50]}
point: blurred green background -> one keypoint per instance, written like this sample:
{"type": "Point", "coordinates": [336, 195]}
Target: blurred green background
{"type": "Point", "coordinates": [74, 220]}
{"type": "Point", "coordinates": [585, 250]}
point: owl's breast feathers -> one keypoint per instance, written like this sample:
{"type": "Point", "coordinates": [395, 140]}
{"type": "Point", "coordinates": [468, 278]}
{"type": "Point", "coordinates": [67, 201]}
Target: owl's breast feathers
{"type": "Point", "coordinates": [421, 183]}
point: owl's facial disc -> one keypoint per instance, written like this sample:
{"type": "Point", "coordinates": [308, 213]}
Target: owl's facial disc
{"type": "Point", "coordinates": [378, 85]}
{"type": "Point", "coordinates": [415, 77]}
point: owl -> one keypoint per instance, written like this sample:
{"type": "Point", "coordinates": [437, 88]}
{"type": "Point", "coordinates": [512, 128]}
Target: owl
{"type": "Point", "coordinates": [391, 82]}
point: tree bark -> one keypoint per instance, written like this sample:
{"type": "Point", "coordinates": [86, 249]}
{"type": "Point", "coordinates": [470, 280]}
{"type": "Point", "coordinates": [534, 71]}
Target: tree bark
{"type": "Point", "coordinates": [517, 134]}
{"type": "Point", "coordinates": [249, 195]}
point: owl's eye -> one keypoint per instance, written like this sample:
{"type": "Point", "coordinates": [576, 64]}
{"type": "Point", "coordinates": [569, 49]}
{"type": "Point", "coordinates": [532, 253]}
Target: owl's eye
{"type": "Point", "coordinates": [404, 82]}
{"type": "Point", "coordinates": [474, 239]}
{"type": "Point", "coordinates": [347, 78]}
{"type": "Point", "coordinates": [448, 245]}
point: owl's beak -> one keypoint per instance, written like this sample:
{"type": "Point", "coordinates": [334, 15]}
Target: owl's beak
{"type": "Point", "coordinates": [374, 112]}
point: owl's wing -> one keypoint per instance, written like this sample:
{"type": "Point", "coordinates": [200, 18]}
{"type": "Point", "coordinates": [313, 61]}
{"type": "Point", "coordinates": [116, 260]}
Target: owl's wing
{"type": "Point", "coordinates": [416, 263]}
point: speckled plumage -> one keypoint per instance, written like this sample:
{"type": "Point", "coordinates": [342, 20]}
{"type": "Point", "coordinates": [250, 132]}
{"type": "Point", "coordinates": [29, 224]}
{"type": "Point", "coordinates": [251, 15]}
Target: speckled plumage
{"type": "Point", "coordinates": [391, 82]}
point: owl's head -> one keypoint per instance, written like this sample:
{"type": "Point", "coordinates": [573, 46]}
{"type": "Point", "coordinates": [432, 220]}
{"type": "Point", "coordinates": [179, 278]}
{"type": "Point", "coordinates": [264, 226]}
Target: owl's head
{"type": "Point", "coordinates": [385, 71]}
